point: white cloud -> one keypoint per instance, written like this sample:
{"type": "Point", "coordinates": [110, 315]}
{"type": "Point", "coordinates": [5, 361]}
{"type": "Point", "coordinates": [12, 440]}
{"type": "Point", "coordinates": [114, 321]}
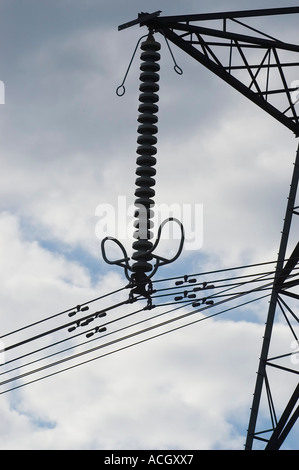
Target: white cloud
{"type": "Point", "coordinates": [68, 145]}
{"type": "Point", "coordinates": [142, 396]}
{"type": "Point", "coordinates": [139, 398]}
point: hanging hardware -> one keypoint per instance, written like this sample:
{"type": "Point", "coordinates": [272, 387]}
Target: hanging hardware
{"type": "Point", "coordinates": [189, 294]}
{"type": "Point", "coordinates": [79, 309]}
{"type": "Point", "coordinates": [144, 262]}
{"type": "Point", "coordinates": [186, 279]}
{"type": "Point", "coordinates": [120, 90]}
{"type": "Point", "coordinates": [176, 68]}
{"type": "Point", "coordinates": [142, 17]}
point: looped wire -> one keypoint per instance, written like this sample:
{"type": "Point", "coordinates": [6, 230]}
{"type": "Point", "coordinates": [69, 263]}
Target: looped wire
{"type": "Point", "coordinates": [144, 262]}
{"type": "Point", "coordinates": [161, 261]}
{"type": "Point", "coordinates": [120, 90]}
{"type": "Point", "coordinates": [176, 68]}
{"type": "Point", "coordinates": [122, 262]}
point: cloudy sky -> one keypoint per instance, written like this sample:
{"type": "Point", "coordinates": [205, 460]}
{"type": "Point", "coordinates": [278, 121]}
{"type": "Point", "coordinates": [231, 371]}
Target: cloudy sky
{"type": "Point", "coordinates": [68, 148]}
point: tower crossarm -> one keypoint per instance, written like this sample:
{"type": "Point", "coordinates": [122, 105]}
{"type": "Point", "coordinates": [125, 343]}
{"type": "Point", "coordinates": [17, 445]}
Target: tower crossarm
{"type": "Point", "coordinates": [261, 67]}
{"type": "Point", "coordinates": [264, 69]}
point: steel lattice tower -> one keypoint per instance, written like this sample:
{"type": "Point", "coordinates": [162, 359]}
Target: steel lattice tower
{"type": "Point", "coordinates": [227, 54]}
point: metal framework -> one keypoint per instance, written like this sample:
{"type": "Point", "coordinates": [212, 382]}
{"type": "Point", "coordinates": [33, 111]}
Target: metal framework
{"type": "Point", "coordinates": [264, 69]}
{"type": "Point", "coordinates": [140, 271]}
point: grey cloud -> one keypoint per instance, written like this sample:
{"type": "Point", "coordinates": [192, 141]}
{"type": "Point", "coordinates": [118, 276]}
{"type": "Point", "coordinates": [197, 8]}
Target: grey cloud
{"type": "Point", "coordinates": [68, 144]}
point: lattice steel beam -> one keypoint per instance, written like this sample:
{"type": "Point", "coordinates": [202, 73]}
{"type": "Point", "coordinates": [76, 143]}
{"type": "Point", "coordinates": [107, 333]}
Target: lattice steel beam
{"type": "Point", "coordinates": [265, 70]}
{"type": "Point", "coordinates": [222, 56]}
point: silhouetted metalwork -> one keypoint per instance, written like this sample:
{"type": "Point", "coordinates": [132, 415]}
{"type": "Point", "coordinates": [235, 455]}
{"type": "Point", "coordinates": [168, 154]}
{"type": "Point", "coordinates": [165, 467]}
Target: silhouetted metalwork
{"type": "Point", "coordinates": [274, 430]}
{"type": "Point", "coordinates": [251, 63]}
{"type": "Point", "coordinates": [266, 71]}
{"type": "Point", "coordinates": [141, 270]}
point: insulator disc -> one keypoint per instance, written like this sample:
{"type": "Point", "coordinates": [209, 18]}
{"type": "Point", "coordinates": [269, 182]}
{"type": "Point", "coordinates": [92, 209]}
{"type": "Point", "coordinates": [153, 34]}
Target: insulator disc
{"type": "Point", "coordinates": [149, 212]}
{"type": "Point", "coordinates": [144, 161]}
{"type": "Point", "coordinates": [150, 223]}
{"type": "Point", "coordinates": [149, 56]}
{"type": "Point", "coordinates": [145, 201]}
{"type": "Point", "coordinates": [147, 139]}
{"type": "Point", "coordinates": [147, 127]}
{"type": "Point", "coordinates": [148, 108]}
{"type": "Point", "coordinates": [148, 97]}
{"type": "Point", "coordinates": [145, 180]}
{"type": "Point", "coordinates": [149, 75]}
{"type": "Point", "coordinates": [146, 170]}
{"type": "Point", "coordinates": [146, 150]}
{"type": "Point", "coordinates": [147, 118]}
{"type": "Point", "coordinates": [150, 42]}
{"type": "Point", "coordinates": [144, 192]}
{"type": "Point", "coordinates": [150, 66]}
{"type": "Point", "coordinates": [144, 246]}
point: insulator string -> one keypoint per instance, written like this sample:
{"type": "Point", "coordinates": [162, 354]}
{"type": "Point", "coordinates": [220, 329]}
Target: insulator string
{"type": "Point", "coordinates": [146, 160]}
{"type": "Point", "coordinates": [144, 262]}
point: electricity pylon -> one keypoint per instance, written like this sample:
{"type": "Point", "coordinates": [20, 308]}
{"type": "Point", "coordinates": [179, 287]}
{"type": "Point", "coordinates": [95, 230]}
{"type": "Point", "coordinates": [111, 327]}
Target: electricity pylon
{"type": "Point", "coordinates": [266, 71]}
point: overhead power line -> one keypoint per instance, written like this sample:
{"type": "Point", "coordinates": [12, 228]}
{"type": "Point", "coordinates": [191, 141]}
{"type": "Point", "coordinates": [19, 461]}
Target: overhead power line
{"type": "Point", "coordinates": [225, 292]}
{"type": "Point", "coordinates": [116, 350]}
